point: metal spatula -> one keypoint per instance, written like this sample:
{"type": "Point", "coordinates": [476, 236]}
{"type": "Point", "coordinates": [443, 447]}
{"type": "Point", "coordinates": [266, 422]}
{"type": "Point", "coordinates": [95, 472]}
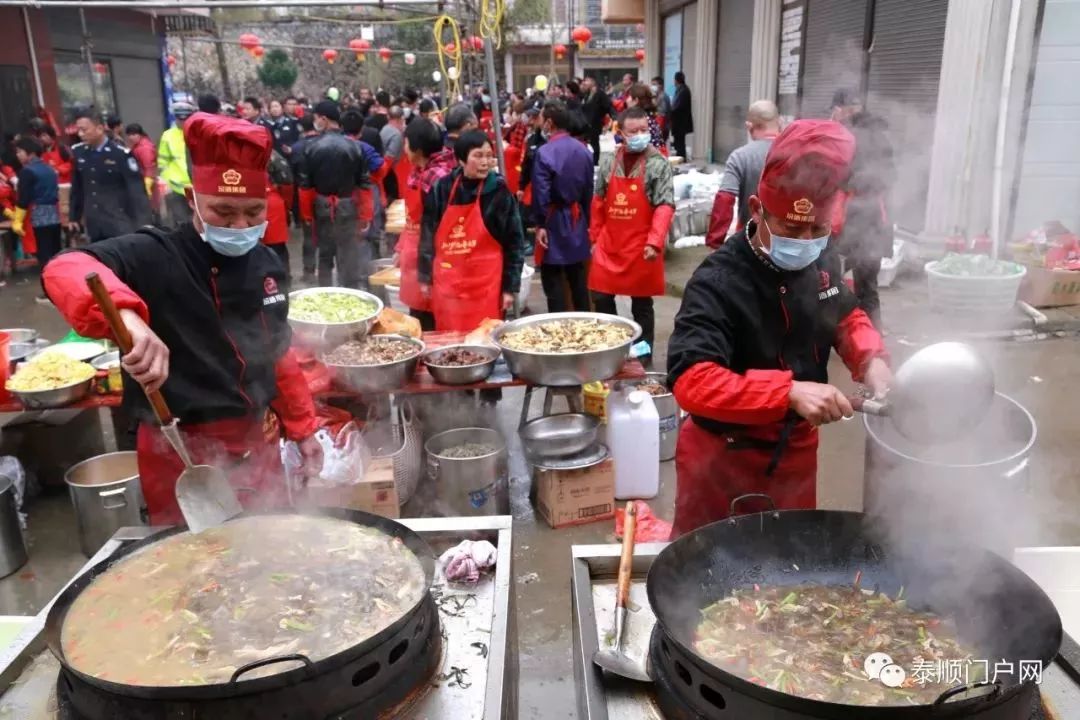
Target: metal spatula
{"type": "Point", "coordinates": [203, 492]}
{"type": "Point", "coordinates": [615, 660]}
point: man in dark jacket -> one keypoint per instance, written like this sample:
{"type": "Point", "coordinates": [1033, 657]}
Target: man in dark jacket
{"type": "Point", "coordinates": [597, 106]}
{"type": "Point", "coordinates": [862, 230]}
{"type": "Point", "coordinates": [682, 115]}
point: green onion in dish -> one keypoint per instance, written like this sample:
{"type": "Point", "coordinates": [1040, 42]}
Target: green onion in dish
{"type": "Point", "coordinates": [330, 307]}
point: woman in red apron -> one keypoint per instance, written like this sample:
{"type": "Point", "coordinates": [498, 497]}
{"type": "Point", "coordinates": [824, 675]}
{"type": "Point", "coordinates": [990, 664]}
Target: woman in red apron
{"type": "Point", "coordinates": [471, 246]}
{"type": "Point", "coordinates": [631, 215]}
{"type": "Point", "coordinates": [428, 161]}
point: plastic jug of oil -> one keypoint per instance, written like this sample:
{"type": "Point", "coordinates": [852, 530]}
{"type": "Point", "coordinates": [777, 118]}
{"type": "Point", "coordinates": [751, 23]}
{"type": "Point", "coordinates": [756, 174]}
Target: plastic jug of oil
{"type": "Point", "coordinates": [634, 444]}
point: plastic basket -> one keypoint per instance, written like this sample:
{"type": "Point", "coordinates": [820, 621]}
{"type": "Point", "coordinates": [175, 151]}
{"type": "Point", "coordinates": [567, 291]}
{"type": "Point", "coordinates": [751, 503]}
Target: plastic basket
{"type": "Point", "coordinates": [398, 438]}
{"type": "Point", "coordinates": [969, 295]}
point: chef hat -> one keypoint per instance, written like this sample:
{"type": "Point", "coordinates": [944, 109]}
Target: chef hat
{"type": "Point", "coordinates": [228, 155]}
{"type": "Point", "coordinates": [808, 163]}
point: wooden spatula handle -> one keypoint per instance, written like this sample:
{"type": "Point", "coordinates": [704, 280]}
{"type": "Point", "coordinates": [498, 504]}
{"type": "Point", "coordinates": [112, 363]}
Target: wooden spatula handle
{"type": "Point", "coordinates": [626, 561]}
{"type": "Point", "coordinates": [123, 340]}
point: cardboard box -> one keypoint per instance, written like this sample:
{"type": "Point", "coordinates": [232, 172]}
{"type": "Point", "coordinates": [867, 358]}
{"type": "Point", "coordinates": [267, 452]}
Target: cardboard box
{"type": "Point", "coordinates": [575, 497]}
{"type": "Point", "coordinates": [1050, 288]}
{"type": "Point", "coordinates": [376, 493]}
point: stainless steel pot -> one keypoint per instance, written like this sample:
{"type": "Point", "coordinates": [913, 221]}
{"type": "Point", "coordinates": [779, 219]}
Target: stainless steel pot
{"type": "Point", "coordinates": [386, 377]}
{"type": "Point", "coordinates": [12, 546]}
{"type": "Point", "coordinates": [565, 369]}
{"type": "Point", "coordinates": [666, 408]}
{"type": "Point", "coordinates": [469, 486]}
{"type": "Point", "coordinates": [106, 494]}
{"type": "Point", "coordinates": [21, 335]}
{"type": "Point", "coordinates": [323, 336]}
{"type": "Point", "coordinates": [55, 398]}
{"type": "Point", "coordinates": [461, 374]}
{"type": "Point", "coordinates": [559, 435]}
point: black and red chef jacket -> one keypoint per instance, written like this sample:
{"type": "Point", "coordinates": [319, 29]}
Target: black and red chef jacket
{"type": "Point", "coordinates": [746, 330]}
{"type": "Point", "coordinates": [224, 320]}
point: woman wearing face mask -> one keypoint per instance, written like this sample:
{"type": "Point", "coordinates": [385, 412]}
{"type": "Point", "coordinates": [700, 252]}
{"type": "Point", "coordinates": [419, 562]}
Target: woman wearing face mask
{"type": "Point", "coordinates": [749, 353]}
{"type": "Point", "coordinates": [631, 213]}
{"type": "Point", "coordinates": [471, 240]}
{"type": "Point", "coordinates": [206, 305]}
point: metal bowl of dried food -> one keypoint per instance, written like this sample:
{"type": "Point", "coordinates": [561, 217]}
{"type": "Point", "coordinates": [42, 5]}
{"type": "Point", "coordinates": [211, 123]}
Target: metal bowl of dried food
{"type": "Point", "coordinates": [571, 348]}
{"type": "Point", "coordinates": [51, 380]}
{"type": "Point", "coordinates": [559, 435]}
{"type": "Point", "coordinates": [375, 363]}
{"type": "Point", "coordinates": [461, 364]}
{"type": "Point", "coordinates": [325, 317]}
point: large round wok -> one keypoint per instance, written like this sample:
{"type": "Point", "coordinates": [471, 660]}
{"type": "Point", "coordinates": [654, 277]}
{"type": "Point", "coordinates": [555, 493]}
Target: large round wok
{"type": "Point", "coordinates": [304, 668]}
{"type": "Point", "coordinates": [997, 608]}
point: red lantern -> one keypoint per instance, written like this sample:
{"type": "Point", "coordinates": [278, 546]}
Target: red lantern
{"type": "Point", "coordinates": [450, 48]}
{"type": "Point", "coordinates": [384, 54]}
{"type": "Point", "coordinates": [258, 51]}
{"type": "Point", "coordinates": [640, 55]}
{"type": "Point", "coordinates": [560, 51]}
{"type": "Point", "coordinates": [329, 55]}
{"type": "Point", "coordinates": [249, 41]}
{"type": "Point", "coordinates": [172, 61]}
{"type": "Point", "coordinates": [359, 46]}
{"type": "Point", "coordinates": [101, 68]}
{"type": "Point", "coordinates": [581, 35]}
{"type": "Point", "coordinates": [477, 43]}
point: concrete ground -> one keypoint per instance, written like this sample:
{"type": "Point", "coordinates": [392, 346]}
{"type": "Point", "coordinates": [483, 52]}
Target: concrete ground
{"type": "Point", "coordinates": [1042, 373]}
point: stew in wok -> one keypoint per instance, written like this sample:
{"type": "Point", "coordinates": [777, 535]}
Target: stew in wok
{"type": "Point", "coordinates": [839, 644]}
{"type": "Point", "coordinates": [191, 609]}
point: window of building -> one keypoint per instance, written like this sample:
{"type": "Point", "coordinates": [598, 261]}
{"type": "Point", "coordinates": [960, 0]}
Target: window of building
{"type": "Point", "coordinates": [76, 92]}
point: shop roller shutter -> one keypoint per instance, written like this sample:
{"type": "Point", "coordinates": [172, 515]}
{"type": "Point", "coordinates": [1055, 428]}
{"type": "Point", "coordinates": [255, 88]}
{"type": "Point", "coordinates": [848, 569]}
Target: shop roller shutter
{"type": "Point", "coordinates": [734, 39]}
{"type": "Point", "coordinates": [832, 52]}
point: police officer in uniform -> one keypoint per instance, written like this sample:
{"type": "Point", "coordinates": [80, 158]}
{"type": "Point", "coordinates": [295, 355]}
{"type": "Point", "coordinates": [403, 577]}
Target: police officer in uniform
{"type": "Point", "coordinates": [108, 197]}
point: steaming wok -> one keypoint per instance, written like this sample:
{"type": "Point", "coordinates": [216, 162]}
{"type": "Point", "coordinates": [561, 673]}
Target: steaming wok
{"type": "Point", "coordinates": [997, 609]}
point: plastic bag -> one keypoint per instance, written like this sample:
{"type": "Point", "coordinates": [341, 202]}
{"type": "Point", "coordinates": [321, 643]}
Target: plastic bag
{"type": "Point", "coordinates": [11, 468]}
{"type": "Point", "coordinates": [345, 458]}
{"type": "Point", "coordinates": [649, 528]}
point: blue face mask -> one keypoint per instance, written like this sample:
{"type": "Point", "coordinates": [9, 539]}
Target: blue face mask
{"type": "Point", "coordinates": [637, 143]}
{"type": "Point", "coordinates": [792, 253]}
{"type": "Point", "coordinates": [228, 241]}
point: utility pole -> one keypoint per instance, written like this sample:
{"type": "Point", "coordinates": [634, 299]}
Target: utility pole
{"type": "Point", "coordinates": [88, 54]}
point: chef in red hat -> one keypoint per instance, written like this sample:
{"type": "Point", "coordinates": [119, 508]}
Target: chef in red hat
{"type": "Point", "coordinates": [749, 353]}
{"type": "Point", "coordinates": [206, 305]}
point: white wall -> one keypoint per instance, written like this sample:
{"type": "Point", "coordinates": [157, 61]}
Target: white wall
{"type": "Point", "coordinates": [1049, 187]}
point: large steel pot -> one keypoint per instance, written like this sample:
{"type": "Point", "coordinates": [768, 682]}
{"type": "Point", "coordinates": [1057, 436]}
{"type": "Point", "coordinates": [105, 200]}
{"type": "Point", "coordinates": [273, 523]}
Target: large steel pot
{"type": "Point", "coordinates": [469, 486]}
{"type": "Point", "coordinates": [386, 377]}
{"type": "Point", "coordinates": [978, 484]}
{"type": "Point", "coordinates": [107, 496]}
{"type": "Point", "coordinates": [12, 545]}
{"type": "Point", "coordinates": [565, 369]}
{"type": "Point", "coordinates": [323, 336]}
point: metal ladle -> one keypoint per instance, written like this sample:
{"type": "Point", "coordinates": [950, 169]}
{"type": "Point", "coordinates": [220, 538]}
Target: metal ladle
{"type": "Point", "coordinates": [939, 394]}
{"type": "Point", "coordinates": [205, 496]}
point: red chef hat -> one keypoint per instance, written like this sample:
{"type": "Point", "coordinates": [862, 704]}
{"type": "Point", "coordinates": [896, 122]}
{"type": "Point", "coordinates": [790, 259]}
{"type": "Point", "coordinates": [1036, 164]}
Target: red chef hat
{"type": "Point", "coordinates": [228, 155]}
{"type": "Point", "coordinates": [806, 166]}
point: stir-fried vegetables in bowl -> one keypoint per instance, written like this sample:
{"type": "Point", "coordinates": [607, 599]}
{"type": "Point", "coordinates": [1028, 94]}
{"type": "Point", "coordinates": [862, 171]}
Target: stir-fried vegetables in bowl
{"type": "Point", "coordinates": [330, 306]}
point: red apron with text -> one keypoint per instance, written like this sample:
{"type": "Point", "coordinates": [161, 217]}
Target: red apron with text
{"type": "Point", "coordinates": [467, 276]}
{"type": "Point", "coordinates": [618, 263]}
{"type": "Point", "coordinates": [713, 469]}
{"type": "Point", "coordinates": [247, 450]}
{"type": "Point", "coordinates": [408, 248]}
{"type": "Point", "coordinates": [512, 156]}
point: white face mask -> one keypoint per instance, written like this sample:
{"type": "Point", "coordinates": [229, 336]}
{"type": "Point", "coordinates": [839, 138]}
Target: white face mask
{"type": "Point", "coordinates": [230, 242]}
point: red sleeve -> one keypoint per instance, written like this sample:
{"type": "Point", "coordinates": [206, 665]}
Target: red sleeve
{"type": "Point", "coordinates": [723, 209]}
{"type": "Point", "coordinates": [64, 279]}
{"type": "Point", "coordinates": [597, 216]}
{"type": "Point", "coordinates": [858, 342]}
{"type": "Point", "coordinates": [839, 214]}
{"type": "Point", "coordinates": [661, 224]}
{"type": "Point", "coordinates": [293, 403]}
{"type": "Point", "coordinates": [365, 205]}
{"type": "Point", "coordinates": [712, 391]}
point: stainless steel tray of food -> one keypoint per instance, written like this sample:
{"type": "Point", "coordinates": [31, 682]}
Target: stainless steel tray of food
{"type": "Point", "coordinates": [477, 678]}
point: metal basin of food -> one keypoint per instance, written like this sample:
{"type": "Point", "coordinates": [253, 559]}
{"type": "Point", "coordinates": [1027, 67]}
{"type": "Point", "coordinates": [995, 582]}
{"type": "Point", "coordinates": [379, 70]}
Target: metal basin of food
{"type": "Point", "coordinates": [21, 335]}
{"type": "Point", "coordinates": [19, 351]}
{"type": "Point", "coordinates": [55, 398]}
{"type": "Point", "coordinates": [461, 374]}
{"type": "Point", "coordinates": [323, 336]}
{"type": "Point", "coordinates": [559, 435]}
{"type": "Point", "coordinates": [570, 368]}
{"type": "Point", "coordinates": [384, 377]}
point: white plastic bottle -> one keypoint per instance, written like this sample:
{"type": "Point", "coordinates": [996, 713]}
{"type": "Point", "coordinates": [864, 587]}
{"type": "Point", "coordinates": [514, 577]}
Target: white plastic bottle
{"type": "Point", "coordinates": [635, 445]}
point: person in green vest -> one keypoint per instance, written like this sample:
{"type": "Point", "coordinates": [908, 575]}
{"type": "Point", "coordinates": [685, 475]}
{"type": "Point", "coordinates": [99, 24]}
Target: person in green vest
{"type": "Point", "coordinates": [173, 165]}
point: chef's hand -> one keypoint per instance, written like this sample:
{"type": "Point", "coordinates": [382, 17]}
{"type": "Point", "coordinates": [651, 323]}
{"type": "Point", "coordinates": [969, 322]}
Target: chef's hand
{"type": "Point", "coordinates": [74, 227]}
{"type": "Point", "coordinates": [651, 253]}
{"type": "Point", "coordinates": [425, 289]}
{"type": "Point", "coordinates": [507, 301]}
{"type": "Point", "coordinates": [878, 377]}
{"type": "Point", "coordinates": [542, 238]}
{"type": "Point", "coordinates": [819, 403]}
{"type": "Point", "coordinates": [311, 455]}
{"type": "Point", "coordinates": [148, 361]}
{"type": "Point", "coordinates": [521, 195]}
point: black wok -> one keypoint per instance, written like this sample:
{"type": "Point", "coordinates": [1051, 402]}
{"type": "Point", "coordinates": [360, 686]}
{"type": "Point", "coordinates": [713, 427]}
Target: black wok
{"type": "Point", "coordinates": [998, 610]}
{"type": "Point", "coordinates": [306, 669]}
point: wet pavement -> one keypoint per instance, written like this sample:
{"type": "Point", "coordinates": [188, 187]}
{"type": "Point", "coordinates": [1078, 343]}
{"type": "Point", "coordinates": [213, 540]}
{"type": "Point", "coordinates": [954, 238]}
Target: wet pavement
{"type": "Point", "coordinates": [1041, 374]}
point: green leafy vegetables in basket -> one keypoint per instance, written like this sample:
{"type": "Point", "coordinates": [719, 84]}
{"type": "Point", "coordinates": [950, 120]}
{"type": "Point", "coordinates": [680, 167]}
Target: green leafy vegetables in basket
{"type": "Point", "coordinates": [330, 307]}
{"type": "Point", "coordinates": [976, 266]}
